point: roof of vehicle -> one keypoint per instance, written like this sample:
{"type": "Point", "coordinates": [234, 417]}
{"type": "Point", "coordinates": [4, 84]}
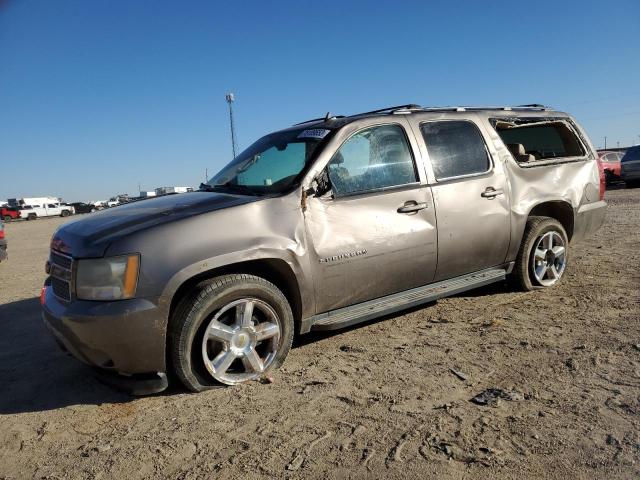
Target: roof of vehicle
{"type": "Point", "coordinates": [336, 121]}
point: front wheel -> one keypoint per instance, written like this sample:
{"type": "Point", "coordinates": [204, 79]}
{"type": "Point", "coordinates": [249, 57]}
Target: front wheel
{"type": "Point", "coordinates": [542, 259]}
{"type": "Point", "coordinates": [232, 329]}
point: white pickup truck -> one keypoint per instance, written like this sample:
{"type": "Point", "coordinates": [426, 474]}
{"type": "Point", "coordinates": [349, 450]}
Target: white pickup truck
{"type": "Point", "coordinates": [31, 212]}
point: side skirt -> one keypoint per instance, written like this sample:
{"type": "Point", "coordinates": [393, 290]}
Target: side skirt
{"type": "Point", "coordinates": [361, 312]}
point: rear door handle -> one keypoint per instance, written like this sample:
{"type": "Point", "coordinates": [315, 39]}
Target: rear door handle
{"type": "Point", "coordinates": [491, 192]}
{"type": "Point", "coordinates": [412, 207]}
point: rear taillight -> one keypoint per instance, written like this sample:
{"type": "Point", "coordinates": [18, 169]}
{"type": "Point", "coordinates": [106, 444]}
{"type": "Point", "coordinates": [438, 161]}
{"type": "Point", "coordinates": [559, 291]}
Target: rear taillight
{"type": "Point", "coordinates": [1, 234]}
{"type": "Point", "coordinates": [603, 181]}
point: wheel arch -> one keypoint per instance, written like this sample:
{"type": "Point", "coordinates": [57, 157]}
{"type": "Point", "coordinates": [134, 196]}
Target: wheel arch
{"type": "Point", "coordinates": [560, 210]}
{"type": "Point", "coordinates": [274, 270]}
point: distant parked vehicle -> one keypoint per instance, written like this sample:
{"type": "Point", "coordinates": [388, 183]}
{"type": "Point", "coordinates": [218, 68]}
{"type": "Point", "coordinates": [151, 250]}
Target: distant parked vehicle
{"type": "Point", "coordinates": [611, 164]}
{"type": "Point", "coordinates": [9, 213]}
{"type": "Point", "coordinates": [31, 212]}
{"type": "Point", "coordinates": [3, 242]}
{"type": "Point", "coordinates": [81, 207]}
{"type": "Point", "coordinates": [630, 167]}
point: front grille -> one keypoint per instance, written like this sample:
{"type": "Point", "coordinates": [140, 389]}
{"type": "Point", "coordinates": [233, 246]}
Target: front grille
{"type": "Point", "coordinates": [61, 289]}
{"type": "Point", "coordinates": [64, 262]}
{"type": "Point", "coordinates": [61, 268]}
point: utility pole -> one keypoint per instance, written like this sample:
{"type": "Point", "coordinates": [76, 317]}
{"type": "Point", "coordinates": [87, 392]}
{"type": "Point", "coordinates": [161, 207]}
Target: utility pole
{"type": "Point", "coordinates": [230, 97]}
{"type": "Point", "coordinates": [617, 144]}
{"type": "Point", "coordinates": [605, 142]}
{"type": "Point", "coordinates": [206, 175]}
{"type": "Point", "coordinates": [139, 188]}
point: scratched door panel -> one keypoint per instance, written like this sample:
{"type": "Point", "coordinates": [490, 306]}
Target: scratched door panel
{"type": "Point", "coordinates": [361, 247]}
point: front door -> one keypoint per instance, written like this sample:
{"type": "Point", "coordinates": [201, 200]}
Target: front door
{"type": "Point", "coordinates": [374, 233]}
{"type": "Point", "coordinates": [471, 198]}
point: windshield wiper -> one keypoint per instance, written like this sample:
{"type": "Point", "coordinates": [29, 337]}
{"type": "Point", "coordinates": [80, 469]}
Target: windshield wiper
{"type": "Point", "coordinates": [229, 187]}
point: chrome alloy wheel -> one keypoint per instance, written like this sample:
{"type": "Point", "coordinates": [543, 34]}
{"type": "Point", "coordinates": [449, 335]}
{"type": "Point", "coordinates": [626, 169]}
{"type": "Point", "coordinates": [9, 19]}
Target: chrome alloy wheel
{"type": "Point", "coordinates": [549, 258]}
{"type": "Point", "coordinates": [241, 341]}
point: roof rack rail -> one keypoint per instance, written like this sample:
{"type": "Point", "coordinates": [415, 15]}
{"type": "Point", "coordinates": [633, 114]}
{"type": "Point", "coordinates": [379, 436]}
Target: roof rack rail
{"type": "Point", "coordinates": [409, 106]}
{"type": "Point", "coordinates": [325, 118]}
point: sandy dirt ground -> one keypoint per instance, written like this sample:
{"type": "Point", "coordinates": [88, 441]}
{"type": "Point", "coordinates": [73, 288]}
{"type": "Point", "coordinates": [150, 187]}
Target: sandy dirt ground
{"type": "Point", "coordinates": [388, 399]}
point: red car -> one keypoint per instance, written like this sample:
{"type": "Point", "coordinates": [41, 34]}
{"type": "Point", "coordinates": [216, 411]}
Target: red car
{"type": "Point", "coordinates": [8, 214]}
{"type": "Point", "coordinates": [3, 243]}
{"type": "Point", "coordinates": [610, 161]}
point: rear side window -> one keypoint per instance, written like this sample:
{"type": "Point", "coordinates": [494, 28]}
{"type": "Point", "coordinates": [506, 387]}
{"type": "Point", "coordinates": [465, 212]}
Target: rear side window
{"type": "Point", "coordinates": [632, 154]}
{"type": "Point", "coordinates": [533, 139]}
{"type": "Point", "coordinates": [456, 148]}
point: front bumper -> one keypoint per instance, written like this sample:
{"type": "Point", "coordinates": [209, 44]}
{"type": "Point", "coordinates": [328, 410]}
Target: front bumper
{"type": "Point", "coordinates": [589, 219]}
{"type": "Point", "coordinates": [126, 337]}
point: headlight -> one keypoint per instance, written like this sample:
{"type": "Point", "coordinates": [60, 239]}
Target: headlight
{"type": "Point", "coordinates": [113, 278]}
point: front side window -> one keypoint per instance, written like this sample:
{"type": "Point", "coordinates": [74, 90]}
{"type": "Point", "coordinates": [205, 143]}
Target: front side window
{"type": "Point", "coordinates": [272, 163]}
{"type": "Point", "coordinates": [455, 148]}
{"type": "Point", "coordinates": [374, 158]}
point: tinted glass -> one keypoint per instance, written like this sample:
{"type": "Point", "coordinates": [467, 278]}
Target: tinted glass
{"type": "Point", "coordinates": [374, 158]}
{"type": "Point", "coordinates": [455, 148]}
{"type": "Point", "coordinates": [632, 154]}
{"type": "Point", "coordinates": [272, 163]}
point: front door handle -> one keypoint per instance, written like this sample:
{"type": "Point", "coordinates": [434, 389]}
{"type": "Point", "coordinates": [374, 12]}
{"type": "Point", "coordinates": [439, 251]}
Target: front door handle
{"type": "Point", "coordinates": [412, 207]}
{"type": "Point", "coordinates": [491, 193]}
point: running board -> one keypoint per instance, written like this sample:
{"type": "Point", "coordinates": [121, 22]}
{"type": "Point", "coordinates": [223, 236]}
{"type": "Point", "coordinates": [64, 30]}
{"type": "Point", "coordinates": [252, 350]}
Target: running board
{"type": "Point", "coordinates": [347, 316]}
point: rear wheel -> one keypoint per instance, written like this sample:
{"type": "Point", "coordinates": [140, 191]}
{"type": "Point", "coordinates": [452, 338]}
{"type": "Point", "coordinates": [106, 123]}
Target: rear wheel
{"type": "Point", "coordinates": [233, 329]}
{"type": "Point", "coordinates": [31, 216]}
{"type": "Point", "coordinates": [542, 259]}
{"type": "Point", "coordinates": [8, 218]}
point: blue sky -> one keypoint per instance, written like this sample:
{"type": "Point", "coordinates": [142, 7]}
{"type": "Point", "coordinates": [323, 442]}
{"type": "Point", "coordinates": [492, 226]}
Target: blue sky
{"type": "Point", "coordinates": [98, 96]}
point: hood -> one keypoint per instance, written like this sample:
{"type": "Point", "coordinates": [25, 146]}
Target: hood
{"type": "Point", "coordinates": [91, 235]}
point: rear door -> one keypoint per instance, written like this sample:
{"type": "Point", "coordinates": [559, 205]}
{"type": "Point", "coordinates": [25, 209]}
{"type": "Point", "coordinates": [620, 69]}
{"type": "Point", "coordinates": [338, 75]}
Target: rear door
{"type": "Point", "coordinates": [374, 232]}
{"type": "Point", "coordinates": [470, 193]}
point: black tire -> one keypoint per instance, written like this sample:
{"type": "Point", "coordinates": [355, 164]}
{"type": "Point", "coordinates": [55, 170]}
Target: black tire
{"type": "Point", "coordinates": [32, 216]}
{"type": "Point", "coordinates": [64, 213]}
{"type": "Point", "coordinates": [523, 276]}
{"type": "Point", "coordinates": [187, 325]}
{"type": "Point", "coordinates": [8, 218]}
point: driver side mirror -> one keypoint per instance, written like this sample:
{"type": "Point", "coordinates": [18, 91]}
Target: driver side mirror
{"type": "Point", "coordinates": [321, 184]}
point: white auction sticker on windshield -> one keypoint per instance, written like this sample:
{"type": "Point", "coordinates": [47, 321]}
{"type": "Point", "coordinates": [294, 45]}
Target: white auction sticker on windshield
{"type": "Point", "coordinates": [314, 133]}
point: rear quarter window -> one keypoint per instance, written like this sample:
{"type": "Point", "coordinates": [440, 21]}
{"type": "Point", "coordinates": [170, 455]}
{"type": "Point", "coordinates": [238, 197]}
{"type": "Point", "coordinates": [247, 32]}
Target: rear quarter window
{"type": "Point", "coordinates": [531, 139]}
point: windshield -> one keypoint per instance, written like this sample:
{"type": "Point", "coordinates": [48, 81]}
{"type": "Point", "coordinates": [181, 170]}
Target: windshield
{"type": "Point", "coordinates": [271, 164]}
{"type": "Point", "coordinates": [632, 154]}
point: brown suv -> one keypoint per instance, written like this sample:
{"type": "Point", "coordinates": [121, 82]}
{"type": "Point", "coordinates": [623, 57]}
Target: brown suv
{"type": "Point", "coordinates": [328, 223]}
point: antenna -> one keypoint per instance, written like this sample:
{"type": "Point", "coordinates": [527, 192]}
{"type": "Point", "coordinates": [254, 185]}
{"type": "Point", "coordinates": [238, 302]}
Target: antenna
{"type": "Point", "coordinates": [230, 97]}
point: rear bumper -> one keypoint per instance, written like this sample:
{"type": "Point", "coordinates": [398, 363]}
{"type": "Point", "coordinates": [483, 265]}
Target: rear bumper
{"type": "Point", "coordinates": [125, 337]}
{"type": "Point", "coordinates": [589, 219]}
